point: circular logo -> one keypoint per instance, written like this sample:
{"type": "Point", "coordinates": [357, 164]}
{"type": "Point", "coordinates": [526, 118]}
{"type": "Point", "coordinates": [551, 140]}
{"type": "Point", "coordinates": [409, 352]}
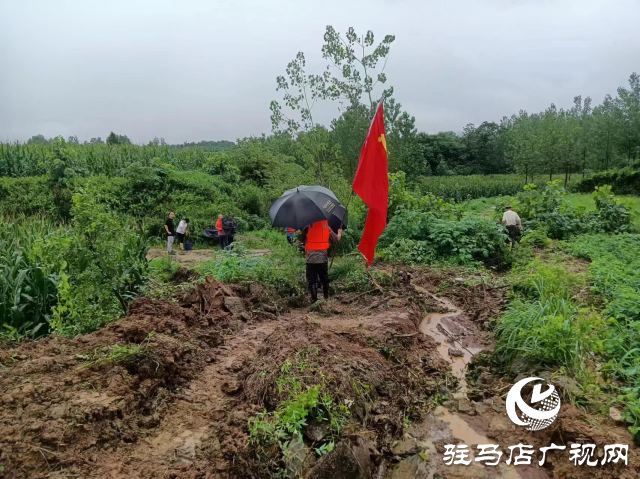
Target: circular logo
{"type": "Point", "coordinates": [541, 411]}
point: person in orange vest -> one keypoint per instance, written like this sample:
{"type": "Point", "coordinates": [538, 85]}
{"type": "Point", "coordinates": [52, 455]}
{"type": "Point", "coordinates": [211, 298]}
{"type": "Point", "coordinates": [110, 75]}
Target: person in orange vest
{"type": "Point", "coordinates": [291, 235]}
{"type": "Point", "coordinates": [316, 250]}
{"type": "Point", "coordinates": [222, 236]}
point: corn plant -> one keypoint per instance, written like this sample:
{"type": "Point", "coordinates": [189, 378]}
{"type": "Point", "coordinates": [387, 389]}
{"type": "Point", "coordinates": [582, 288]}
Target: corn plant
{"type": "Point", "coordinates": [27, 289]}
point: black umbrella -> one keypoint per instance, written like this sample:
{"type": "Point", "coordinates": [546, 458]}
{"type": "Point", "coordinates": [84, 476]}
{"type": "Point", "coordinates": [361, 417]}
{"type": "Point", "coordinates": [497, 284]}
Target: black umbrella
{"type": "Point", "coordinates": [299, 207]}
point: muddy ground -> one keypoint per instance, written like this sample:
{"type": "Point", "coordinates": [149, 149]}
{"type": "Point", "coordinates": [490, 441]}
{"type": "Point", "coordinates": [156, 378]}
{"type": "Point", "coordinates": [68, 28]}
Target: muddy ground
{"type": "Point", "coordinates": [176, 403]}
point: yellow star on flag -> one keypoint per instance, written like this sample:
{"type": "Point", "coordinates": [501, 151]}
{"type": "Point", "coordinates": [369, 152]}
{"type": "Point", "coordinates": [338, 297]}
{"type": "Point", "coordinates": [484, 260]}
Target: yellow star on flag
{"type": "Point", "coordinates": [383, 140]}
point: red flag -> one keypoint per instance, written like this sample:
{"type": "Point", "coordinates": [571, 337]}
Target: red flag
{"type": "Point", "coordinates": [372, 184]}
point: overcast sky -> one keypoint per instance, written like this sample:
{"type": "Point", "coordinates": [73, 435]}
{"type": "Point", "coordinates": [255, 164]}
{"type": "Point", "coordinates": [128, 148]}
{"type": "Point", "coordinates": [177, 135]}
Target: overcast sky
{"type": "Point", "coordinates": [193, 70]}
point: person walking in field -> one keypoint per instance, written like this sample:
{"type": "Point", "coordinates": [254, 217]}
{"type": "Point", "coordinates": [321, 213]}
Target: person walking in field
{"type": "Point", "coordinates": [221, 234]}
{"type": "Point", "coordinates": [318, 239]}
{"type": "Point", "coordinates": [181, 232]}
{"type": "Point", "coordinates": [170, 228]}
{"type": "Point", "coordinates": [512, 221]}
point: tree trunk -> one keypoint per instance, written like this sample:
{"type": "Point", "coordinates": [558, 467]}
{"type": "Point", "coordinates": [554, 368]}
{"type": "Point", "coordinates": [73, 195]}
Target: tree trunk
{"type": "Point", "coordinates": [566, 176]}
{"type": "Point", "coordinates": [606, 156]}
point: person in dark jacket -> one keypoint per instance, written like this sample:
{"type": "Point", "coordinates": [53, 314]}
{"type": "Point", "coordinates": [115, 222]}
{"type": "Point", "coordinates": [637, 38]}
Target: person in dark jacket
{"type": "Point", "coordinates": [230, 228]}
{"type": "Point", "coordinates": [170, 229]}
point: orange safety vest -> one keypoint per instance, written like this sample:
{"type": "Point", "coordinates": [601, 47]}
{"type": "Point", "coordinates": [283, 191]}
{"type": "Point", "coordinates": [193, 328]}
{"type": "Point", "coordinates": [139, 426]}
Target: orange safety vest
{"type": "Point", "coordinates": [291, 230]}
{"type": "Point", "coordinates": [318, 236]}
{"type": "Point", "coordinates": [219, 228]}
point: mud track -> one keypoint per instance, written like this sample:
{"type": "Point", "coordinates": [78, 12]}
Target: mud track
{"type": "Point", "coordinates": [179, 406]}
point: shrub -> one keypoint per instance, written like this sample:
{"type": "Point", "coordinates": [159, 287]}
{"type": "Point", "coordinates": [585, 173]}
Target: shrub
{"type": "Point", "coordinates": [460, 241]}
{"type": "Point", "coordinates": [26, 196]}
{"type": "Point", "coordinates": [612, 214]}
{"type": "Point", "coordinates": [546, 209]}
{"type": "Point", "coordinates": [625, 181]}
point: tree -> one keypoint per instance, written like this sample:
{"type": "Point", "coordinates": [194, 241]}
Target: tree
{"type": "Point", "coordinates": [349, 130]}
{"type": "Point", "coordinates": [38, 140]}
{"type": "Point", "coordinates": [484, 148]}
{"type": "Point", "coordinates": [627, 107]}
{"type": "Point", "coordinates": [350, 76]}
{"type": "Point", "coordinates": [114, 139]}
{"type": "Point", "coordinates": [439, 153]}
{"type": "Point", "coordinates": [522, 144]}
{"type": "Point", "coordinates": [586, 126]}
{"type": "Point", "coordinates": [73, 139]}
{"type": "Point", "coordinates": [604, 132]}
{"type": "Point", "coordinates": [355, 75]}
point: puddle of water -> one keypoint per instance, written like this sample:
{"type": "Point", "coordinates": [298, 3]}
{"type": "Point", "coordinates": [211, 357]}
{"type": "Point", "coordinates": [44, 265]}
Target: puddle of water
{"type": "Point", "coordinates": [435, 325]}
{"type": "Point", "coordinates": [461, 429]}
{"type": "Point", "coordinates": [457, 427]}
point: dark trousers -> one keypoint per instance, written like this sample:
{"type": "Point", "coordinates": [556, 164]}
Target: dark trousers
{"type": "Point", "coordinates": [315, 271]}
{"type": "Point", "coordinates": [224, 241]}
{"type": "Point", "coordinates": [514, 233]}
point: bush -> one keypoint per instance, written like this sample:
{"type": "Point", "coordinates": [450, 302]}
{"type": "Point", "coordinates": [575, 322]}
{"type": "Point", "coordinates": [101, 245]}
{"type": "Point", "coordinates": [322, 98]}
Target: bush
{"type": "Point", "coordinates": [459, 241]}
{"type": "Point", "coordinates": [26, 196]}
{"type": "Point", "coordinates": [612, 215]}
{"type": "Point", "coordinates": [615, 275]}
{"type": "Point", "coordinates": [625, 181]}
{"type": "Point", "coordinates": [546, 209]}
{"type": "Point", "coordinates": [538, 237]}
{"type": "Point", "coordinates": [220, 166]}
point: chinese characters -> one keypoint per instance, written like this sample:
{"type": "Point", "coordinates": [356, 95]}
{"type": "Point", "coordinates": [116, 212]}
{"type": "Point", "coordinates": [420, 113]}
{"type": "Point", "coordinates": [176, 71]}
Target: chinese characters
{"type": "Point", "coordinates": [522, 454]}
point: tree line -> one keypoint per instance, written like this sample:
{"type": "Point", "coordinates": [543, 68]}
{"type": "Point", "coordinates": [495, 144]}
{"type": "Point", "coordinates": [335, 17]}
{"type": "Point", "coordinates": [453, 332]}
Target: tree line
{"type": "Point", "coordinates": [555, 141]}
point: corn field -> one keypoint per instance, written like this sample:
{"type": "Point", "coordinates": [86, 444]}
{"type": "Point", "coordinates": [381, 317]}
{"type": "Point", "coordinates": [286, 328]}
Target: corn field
{"type": "Point", "coordinates": [463, 188]}
{"type": "Point", "coordinates": [27, 290]}
{"type": "Point", "coordinates": [20, 160]}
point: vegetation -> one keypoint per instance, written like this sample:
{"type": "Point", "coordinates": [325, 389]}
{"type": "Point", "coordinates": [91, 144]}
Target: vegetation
{"type": "Point", "coordinates": [625, 181]}
{"type": "Point", "coordinates": [78, 220]}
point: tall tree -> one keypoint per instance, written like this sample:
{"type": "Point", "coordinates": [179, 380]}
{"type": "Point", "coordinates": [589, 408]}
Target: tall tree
{"type": "Point", "coordinates": [627, 107]}
{"type": "Point", "coordinates": [605, 132]}
{"type": "Point", "coordinates": [354, 70]}
{"type": "Point", "coordinates": [522, 144]}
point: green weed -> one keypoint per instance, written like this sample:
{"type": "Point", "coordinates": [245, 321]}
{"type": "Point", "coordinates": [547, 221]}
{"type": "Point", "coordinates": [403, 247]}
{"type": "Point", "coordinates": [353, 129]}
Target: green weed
{"type": "Point", "coordinates": [117, 354]}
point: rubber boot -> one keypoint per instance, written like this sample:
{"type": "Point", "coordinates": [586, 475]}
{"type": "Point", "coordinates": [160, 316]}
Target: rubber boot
{"type": "Point", "coordinates": [313, 289]}
{"type": "Point", "coordinates": [325, 290]}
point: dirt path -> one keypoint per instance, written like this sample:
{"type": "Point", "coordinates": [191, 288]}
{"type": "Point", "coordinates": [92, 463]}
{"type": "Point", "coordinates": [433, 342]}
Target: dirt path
{"type": "Point", "coordinates": [193, 426]}
{"type": "Point", "coordinates": [179, 407]}
{"type": "Point", "coordinates": [191, 259]}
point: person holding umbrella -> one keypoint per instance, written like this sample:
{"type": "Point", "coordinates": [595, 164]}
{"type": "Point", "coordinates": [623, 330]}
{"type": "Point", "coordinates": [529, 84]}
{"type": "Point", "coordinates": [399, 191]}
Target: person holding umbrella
{"type": "Point", "coordinates": [313, 208]}
{"type": "Point", "coordinates": [319, 237]}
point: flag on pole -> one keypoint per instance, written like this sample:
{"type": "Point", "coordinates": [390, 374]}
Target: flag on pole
{"type": "Point", "coordinates": [371, 183]}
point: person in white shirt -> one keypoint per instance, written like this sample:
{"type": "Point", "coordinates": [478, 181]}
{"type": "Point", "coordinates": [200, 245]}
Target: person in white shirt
{"type": "Point", "coordinates": [512, 221]}
{"type": "Point", "coordinates": [181, 232]}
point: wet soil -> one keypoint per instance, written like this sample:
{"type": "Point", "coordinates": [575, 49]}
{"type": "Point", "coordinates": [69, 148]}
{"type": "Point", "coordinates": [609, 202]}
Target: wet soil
{"type": "Point", "coordinates": [179, 408]}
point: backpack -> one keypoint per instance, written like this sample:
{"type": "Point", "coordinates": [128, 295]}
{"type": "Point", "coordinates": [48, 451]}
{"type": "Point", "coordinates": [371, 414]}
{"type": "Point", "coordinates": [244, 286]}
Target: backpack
{"type": "Point", "coordinates": [229, 225]}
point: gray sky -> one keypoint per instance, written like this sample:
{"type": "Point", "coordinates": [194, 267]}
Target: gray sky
{"type": "Point", "coordinates": [190, 70]}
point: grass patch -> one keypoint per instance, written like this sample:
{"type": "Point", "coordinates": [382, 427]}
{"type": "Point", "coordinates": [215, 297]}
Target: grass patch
{"type": "Point", "coordinates": [116, 354]}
